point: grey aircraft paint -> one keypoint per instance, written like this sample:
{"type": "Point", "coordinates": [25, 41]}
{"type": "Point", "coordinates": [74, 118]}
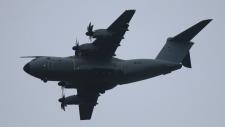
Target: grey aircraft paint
{"type": "Point", "coordinates": [94, 69]}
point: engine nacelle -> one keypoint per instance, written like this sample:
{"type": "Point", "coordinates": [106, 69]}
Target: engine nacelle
{"type": "Point", "coordinates": [87, 49]}
{"type": "Point", "coordinates": [66, 85]}
{"type": "Point", "coordinates": [101, 33]}
{"type": "Point", "coordinates": [70, 100]}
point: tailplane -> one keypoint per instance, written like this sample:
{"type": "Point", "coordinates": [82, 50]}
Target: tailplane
{"type": "Point", "coordinates": [177, 48]}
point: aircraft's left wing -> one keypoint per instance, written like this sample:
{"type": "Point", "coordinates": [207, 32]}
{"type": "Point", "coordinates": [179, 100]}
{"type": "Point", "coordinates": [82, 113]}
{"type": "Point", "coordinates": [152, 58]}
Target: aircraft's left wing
{"type": "Point", "coordinates": [89, 100]}
{"type": "Point", "coordinates": [118, 28]}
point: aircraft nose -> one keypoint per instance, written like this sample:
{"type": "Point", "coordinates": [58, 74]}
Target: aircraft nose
{"type": "Point", "coordinates": [26, 68]}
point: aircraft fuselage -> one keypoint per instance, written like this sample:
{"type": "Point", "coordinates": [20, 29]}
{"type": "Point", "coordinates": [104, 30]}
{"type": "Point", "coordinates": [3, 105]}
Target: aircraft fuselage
{"type": "Point", "coordinates": [81, 72]}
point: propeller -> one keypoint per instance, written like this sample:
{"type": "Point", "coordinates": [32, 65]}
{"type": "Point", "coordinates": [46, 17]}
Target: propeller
{"type": "Point", "coordinates": [77, 46]}
{"type": "Point", "coordinates": [63, 99]}
{"type": "Point", "coordinates": [90, 31]}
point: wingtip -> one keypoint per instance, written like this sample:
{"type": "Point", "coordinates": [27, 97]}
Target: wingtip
{"type": "Point", "coordinates": [206, 21]}
{"type": "Point", "coordinates": [203, 23]}
{"type": "Point", "coordinates": [131, 10]}
{"type": "Point", "coordinates": [210, 20]}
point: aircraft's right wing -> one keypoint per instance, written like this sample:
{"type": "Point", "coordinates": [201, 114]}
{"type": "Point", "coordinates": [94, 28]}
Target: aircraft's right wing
{"type": "Point", "coordinates": [118, 28]}
{"type": "Point", "coordinates": [89, 98]}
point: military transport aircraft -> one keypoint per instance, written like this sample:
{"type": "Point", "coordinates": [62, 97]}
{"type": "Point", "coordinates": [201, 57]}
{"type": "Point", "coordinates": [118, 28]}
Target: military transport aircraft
{"type": "Point", "coordinates": [94, 68]}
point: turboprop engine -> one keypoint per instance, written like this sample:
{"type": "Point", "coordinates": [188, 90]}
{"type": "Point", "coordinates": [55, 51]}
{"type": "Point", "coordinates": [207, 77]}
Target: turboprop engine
{"type": "Point", "coordinates": [70, 100]}
{"type": "Point", "coordinates": [99, 33]}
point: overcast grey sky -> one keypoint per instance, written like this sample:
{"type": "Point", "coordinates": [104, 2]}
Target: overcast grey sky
{"type": "Point", "coordinates": [185, 98]}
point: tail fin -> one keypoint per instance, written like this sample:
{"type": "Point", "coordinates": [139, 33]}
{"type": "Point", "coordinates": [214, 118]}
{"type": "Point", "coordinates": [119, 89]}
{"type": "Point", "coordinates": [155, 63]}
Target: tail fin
{"type": "Point", "coordinates": [176, 49]}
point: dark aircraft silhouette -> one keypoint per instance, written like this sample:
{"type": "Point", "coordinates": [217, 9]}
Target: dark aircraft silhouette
{"type": "Point", "coordinates": [94, 69]}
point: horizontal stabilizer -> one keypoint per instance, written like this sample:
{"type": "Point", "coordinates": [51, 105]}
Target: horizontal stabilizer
{"type": "Point", "coordinates": [177, 48]}
{"type": "Point", "coordinates": [190, 33]}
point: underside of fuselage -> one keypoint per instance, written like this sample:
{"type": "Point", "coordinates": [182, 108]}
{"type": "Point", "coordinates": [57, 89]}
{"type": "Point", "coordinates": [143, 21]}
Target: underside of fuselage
{"type": "Point", "coordinates": [105, 74]}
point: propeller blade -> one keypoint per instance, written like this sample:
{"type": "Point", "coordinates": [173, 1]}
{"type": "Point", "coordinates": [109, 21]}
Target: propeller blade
{"type": "Point", "coordinates": [63, 94]}
{"type": "Point", "coordinates": [76, 46]}
{"type": "Point", "coordinates": [62, 100]}
{"type": "Point", "coordinates": [90, 27]}
{"type": "Point", "coordinates": [77, 43]}
{"type": "Point", "coordinates": [63, 107]}
{"type": "Point", "coordinates": [90, 30]}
